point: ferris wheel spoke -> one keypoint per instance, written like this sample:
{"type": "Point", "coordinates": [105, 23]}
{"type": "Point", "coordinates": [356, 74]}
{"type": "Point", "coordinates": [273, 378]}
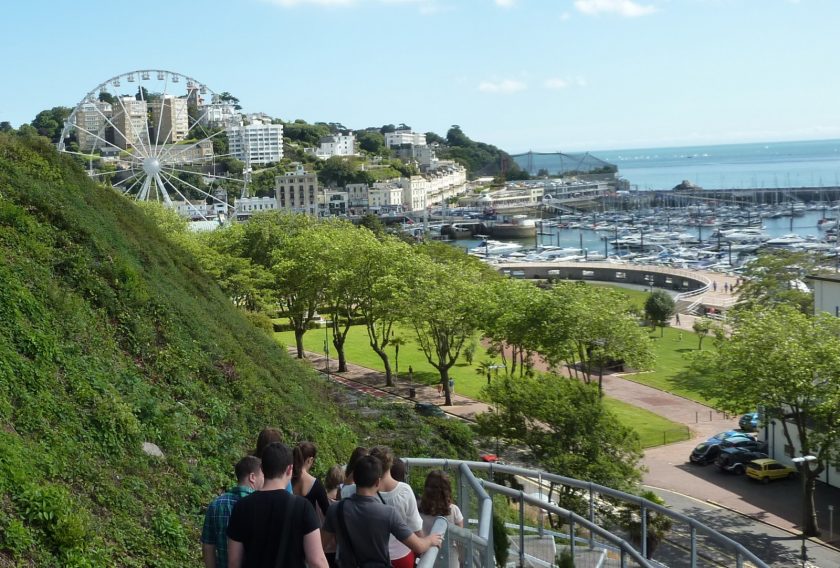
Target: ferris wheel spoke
{"type": "Point", "coordinates": [201, 191]}
{"type": "Point", "coordinates": [143, 150]}
{"type": "Point", "coordinates": [108, 120]}
{"type": "Point", "coordinates": [161, 149]}
{"type": "Point", "coordinates": [214, 176]}
{"type": "Point", "coordinates": [132, 186]}
{"type": "Point", "coordinates": [143, 194]}
{"type": "Point", "coordinates": [102, 139]}
{"type": "Point", "coordinates": [171, 153]}
{"type": "Point", "coordinates": [162, 190]}
{"type": "Point", "coordinates": [133, 175]}
{"type": "Point", "coordinates": [160, 118]}
{"type": "Point", "coordinates": [203, 159]}
{"type": "Point", "coordinates": [187, 201]}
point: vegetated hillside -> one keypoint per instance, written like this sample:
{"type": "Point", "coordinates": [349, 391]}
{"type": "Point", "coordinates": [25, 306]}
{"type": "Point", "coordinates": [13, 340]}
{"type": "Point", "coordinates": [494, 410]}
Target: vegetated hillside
{"type": "Point", "coordinates": [111, 336]}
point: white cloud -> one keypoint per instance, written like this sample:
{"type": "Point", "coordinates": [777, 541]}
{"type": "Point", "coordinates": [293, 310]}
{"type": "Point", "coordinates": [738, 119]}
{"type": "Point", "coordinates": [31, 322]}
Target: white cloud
{"type": "Point", "coordinates": [505, 86]}
{"type": "Point", "coordinates": [625, 8]}
{"type": "Point", "coordinates": [559, 83]}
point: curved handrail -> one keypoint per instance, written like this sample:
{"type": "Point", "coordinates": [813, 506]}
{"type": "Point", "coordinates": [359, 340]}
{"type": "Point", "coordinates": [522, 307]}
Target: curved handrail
{"type": "Point", "coordinates": [427, 559]}
{"type": "Point", "coordinates": [695, 525]}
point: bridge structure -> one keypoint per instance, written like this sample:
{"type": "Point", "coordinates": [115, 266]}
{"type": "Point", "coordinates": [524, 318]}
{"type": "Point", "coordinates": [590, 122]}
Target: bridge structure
{"type": "Point", "coordinates": [596, 525]}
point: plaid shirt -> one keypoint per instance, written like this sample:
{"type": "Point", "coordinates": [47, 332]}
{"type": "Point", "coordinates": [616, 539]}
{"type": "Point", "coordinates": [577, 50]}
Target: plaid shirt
{"type": "Point", "coordinates": [216, 521]}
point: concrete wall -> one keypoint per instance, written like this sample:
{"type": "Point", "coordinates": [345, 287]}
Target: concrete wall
{"type": "Point", "coordinates": [778, 449]}
{"type": "Point", "coordinates": [605, 273]}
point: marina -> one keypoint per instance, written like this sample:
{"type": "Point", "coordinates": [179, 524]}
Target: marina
{"type": "Point", "coordinates": [719, 238]}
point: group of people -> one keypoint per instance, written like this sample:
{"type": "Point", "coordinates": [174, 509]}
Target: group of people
{"type": "Point", "coordinates": [362, 515]}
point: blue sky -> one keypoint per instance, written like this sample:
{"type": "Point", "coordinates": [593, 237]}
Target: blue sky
{"type": "Point", "coordinates": [521, 74]}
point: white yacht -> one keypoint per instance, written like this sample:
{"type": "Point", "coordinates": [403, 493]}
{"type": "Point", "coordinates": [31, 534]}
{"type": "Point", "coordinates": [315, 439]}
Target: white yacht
{"type": "Point", "coordinates": [489, 247]}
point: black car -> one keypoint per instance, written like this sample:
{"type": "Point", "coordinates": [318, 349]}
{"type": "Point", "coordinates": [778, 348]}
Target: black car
{"type": "Point", "coordinates": [709, 450]}
{"type": "Point", "coordinates": [735, 460]}
{"type": "Point", "coordinates": [744, 444]}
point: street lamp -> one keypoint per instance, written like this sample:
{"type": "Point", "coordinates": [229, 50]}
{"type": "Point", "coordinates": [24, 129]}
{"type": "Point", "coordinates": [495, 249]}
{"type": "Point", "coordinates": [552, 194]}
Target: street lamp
{"type": "Point", "coordinates": [802, 465]}
{"type": "Point", "coordinates": [496, 368]}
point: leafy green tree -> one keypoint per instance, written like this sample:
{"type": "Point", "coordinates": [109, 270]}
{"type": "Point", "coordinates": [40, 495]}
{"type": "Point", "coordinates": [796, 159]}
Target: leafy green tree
{"type": "Point", "coordinates": [382, 268]}
{"type": "Point", "coordinates": [50, 123]}
{"type": "Point", "coordinates": [337, 172]}
{"type": "Point", "coordinates": [659, 308]}
{"type": "Point", "coordinates": [442, 308]}
{"type": "Point", "coordinates": [778, 277]}
{"type": "Point", "coordinates": [432, 138]}
{"type": "Point", "coordinates": [107, 97]}
{"type": "Point", "coordinates": [787, 364]}
{"type": "Point", "coordinates": [226, 97]}
{"type": "Point", "coordinates": [565, 427]}
{"type": "Point", "coordinates": [511, 319]}
{"type": "Point", "coordinates": [373, 223]}
{"type": "Point", "coordinates": [6, 126]}
{"type": "Point", "coordinates": [590, 327]}
{"type": "Point", "coordinates": [701, 327]}
{"type": "Point", "coordinates": [306, 134]}
{"type": "Point", "coordinates": [371, 141]}
{"type": "Point", "coordinates": [657, 525]}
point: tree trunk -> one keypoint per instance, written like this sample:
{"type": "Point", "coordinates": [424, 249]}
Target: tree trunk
{"type": "Point", "coordinates": [299, 342]}
{"type": "Point", "coordinates": [389, 381]}
{"type": "Point", "coordinates": [444, 379]}
{"type": "Point", "coordinates": [342, 359]}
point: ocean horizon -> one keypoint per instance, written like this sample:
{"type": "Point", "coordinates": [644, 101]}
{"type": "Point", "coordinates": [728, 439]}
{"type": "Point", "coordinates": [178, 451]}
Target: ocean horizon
{"type": "Point", "coordinates": [804, 163]}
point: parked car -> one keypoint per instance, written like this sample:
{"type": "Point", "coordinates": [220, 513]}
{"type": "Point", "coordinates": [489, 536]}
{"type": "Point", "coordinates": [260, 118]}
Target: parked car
{"type": "Point", "coordinates": [749, 422]}
{"type": "Point", "coordinates": [709, 450]}
{"type": "Point", "coordinates": [744, 442]}
{"type": "Point", "coordinates": [735, 460]}
{"type": "Point", "coordinates": [429, 409]}
{"type": "Point", "coordinates": [766, 469]}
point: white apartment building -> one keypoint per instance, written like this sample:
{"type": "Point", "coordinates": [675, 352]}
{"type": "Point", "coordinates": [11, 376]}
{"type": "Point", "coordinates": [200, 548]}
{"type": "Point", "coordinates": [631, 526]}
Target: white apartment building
{"type": "Point", "coordinates": [247, 206]}
{"type": "Point", "coordinates": [258, 142]}
{"type": "Point", "coordinates": [416, 190]}
{"type": "Point", "coordinates": [217, 114]}
{"type": "Point", "coordinates": [404, 137]}
{"type": "Point", "coordinates": [448, 180]}
{"type": "Point", "coordinates": [91, 122]}
{"type": "Point", "coordinates": [194, 209]}
{"type": "Point", "coordinates": [198, 152]}
{"type": "Point", "coordinates": [336, 145]}
{"type": "Point", "coordinates": [385, 195]}
{"type": "Point", "coordinates": [297, 191]}
{"type": "Point", "coordinates": [169, 119]}
{"type": "Point", "coordinates": [129, 117]}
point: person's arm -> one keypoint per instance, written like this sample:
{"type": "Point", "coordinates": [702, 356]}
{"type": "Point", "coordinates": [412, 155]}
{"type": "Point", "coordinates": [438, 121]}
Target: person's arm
{"type": "Point", "coordinates": [321, 496]}
{"type": "Point", "coordinates": [419, 545]}
{"type": "Point", "coordinates": [313, 550]}
{"type": "Point", "coordinates": [208, 552]}
{"type": "Point", "coordinates": [235, 553]}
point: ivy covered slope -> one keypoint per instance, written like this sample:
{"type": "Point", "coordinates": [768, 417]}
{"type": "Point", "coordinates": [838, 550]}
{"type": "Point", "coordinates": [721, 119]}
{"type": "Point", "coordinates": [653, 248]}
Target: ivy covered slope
{"type": "Point", "coordinates": [111, 336]}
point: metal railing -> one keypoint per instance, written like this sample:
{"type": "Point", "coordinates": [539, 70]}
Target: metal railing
{"type": "Point", "coordinates": [476, 547]}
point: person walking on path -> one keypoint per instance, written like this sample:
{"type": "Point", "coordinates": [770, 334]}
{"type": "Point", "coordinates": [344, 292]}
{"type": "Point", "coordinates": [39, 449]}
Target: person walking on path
{"type": "Point", "coordinates": [249, 478]}
{"type": "Point", "coordinates": [677, 318]}
{"type": "Point", "coordinates": [363, 523]}
{"type": "Point", "coordinates": [714, 286]}
{"type": "Point", "coordinates": [272, 527]}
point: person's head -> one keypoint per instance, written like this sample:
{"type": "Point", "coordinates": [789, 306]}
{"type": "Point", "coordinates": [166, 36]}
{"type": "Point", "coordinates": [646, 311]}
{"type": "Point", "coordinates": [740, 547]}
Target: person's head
{"type": "Point", "coordinates": [304, 456]}
{"type": "Point", "coordinates": [266, 437]}
{"type": "Point", "coordinates": [334, 478]}
{"type": "Point", "coordinates": [437, 494]}
{"type": "Point", "coordinates": [249, 473]}
{"type": "Point", "coordinates": [398, 470]}
{"type": "Point", "coordinates": [276, 460]}
{"type": "Point", "coordinates": [385, 455]}
{"type": "Point", "coordinates": [359, 452]}
{"type": "Point", "coordinates": [368, 472]}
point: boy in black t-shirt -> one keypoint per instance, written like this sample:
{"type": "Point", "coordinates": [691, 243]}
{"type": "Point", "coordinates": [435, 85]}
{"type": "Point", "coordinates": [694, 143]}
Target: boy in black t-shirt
{"type": "Point", "coordinates": [270, 519]}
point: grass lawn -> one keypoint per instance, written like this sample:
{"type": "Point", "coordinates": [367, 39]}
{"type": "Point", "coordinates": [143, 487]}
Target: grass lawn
{"type": "Point", "coordinates": [637, 297]}
{"type": "Point", "coordinates": [671, 372]}
{"type": "Point", "coordinates": [468, 382]}
{"type": "Point", "coordinates": [653, 430]}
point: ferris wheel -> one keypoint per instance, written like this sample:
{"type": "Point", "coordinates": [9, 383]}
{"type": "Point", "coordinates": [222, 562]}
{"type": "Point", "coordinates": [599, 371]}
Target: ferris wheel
{"type": "Point", "coordinates": [159, 135]}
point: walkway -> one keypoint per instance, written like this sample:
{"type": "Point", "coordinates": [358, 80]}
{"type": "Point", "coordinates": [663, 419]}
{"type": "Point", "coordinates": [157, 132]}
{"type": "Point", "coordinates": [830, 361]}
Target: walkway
{"type": "Point", "coordinates": [777, 505]}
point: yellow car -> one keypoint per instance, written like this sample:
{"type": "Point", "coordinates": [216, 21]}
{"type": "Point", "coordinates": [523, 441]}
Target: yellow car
{"type": "Point", "coordinates": [766, 469]}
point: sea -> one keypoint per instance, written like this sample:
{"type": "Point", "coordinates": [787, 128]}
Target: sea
{"type": "Point", "coordinates": [811, 163]}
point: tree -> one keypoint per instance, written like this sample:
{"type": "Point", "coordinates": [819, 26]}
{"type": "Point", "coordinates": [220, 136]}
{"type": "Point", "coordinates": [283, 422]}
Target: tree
{"type": "Point", "coordinates": [228, 98]}
{"type": "Point", "coordinates": [442, 308]}
{"type": "Point", "coordinates": [513, 313]}
{"type": "Point", "coordinates": [590, 327]}
{"type": "Point", "coordinates": [50, 122]}
{"type": "Point", "coordinates": [657, 525]}
{"type": "Point", "coordinates": [6, 126]}
{"type": "Point", "coordinates": [701, 327]}
{"type": "Point", "coordinates": [778, 277]}
{"type": "Point", "coordinates": [787, 365]}
{"type": "Point", "coordinates": [565, 427]}
{"type": "Point", "coordinates": [337, 172]}
{"type": "Point", "coordinates": [371, 141]}
{"type": "Point", "coordinates": [659, 308]}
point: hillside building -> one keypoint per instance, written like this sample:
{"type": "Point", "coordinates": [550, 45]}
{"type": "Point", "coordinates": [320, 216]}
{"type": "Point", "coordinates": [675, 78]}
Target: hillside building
{"type": "Point", "coordinates": [169, 119]}
{"type": "Point", "coordinates": [91, 122]}
{"type": "Point", "coordinates": [297, 191]}
{"type": "Point", "coordinates": [258, 142]}
{"type": "Point", "coordinates": [129, 117]}
{"type": "Point", "coordinates": [400, 138]}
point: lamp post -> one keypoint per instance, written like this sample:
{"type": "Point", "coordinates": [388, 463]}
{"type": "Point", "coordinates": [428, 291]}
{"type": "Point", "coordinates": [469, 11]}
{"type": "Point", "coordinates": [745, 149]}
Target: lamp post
{"type": "Point", "coordinates": [600, 344]}
{"type": "Point", "coordinates": [803, 467]}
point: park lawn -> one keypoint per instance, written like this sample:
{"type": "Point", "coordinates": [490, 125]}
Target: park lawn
{"type": "Point", "coordinates": [468, 381]}
{"type": "Point", "coordinates": [653, 430]}
{"type": "Point", "coordinates": [671, 371]}
{"type": "Point", "coordinates": [637, 297]}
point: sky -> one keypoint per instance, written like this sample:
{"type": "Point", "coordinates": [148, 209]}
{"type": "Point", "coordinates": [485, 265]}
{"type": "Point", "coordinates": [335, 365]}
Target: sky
{"type": "Point", "coordinates": [542, 75]}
